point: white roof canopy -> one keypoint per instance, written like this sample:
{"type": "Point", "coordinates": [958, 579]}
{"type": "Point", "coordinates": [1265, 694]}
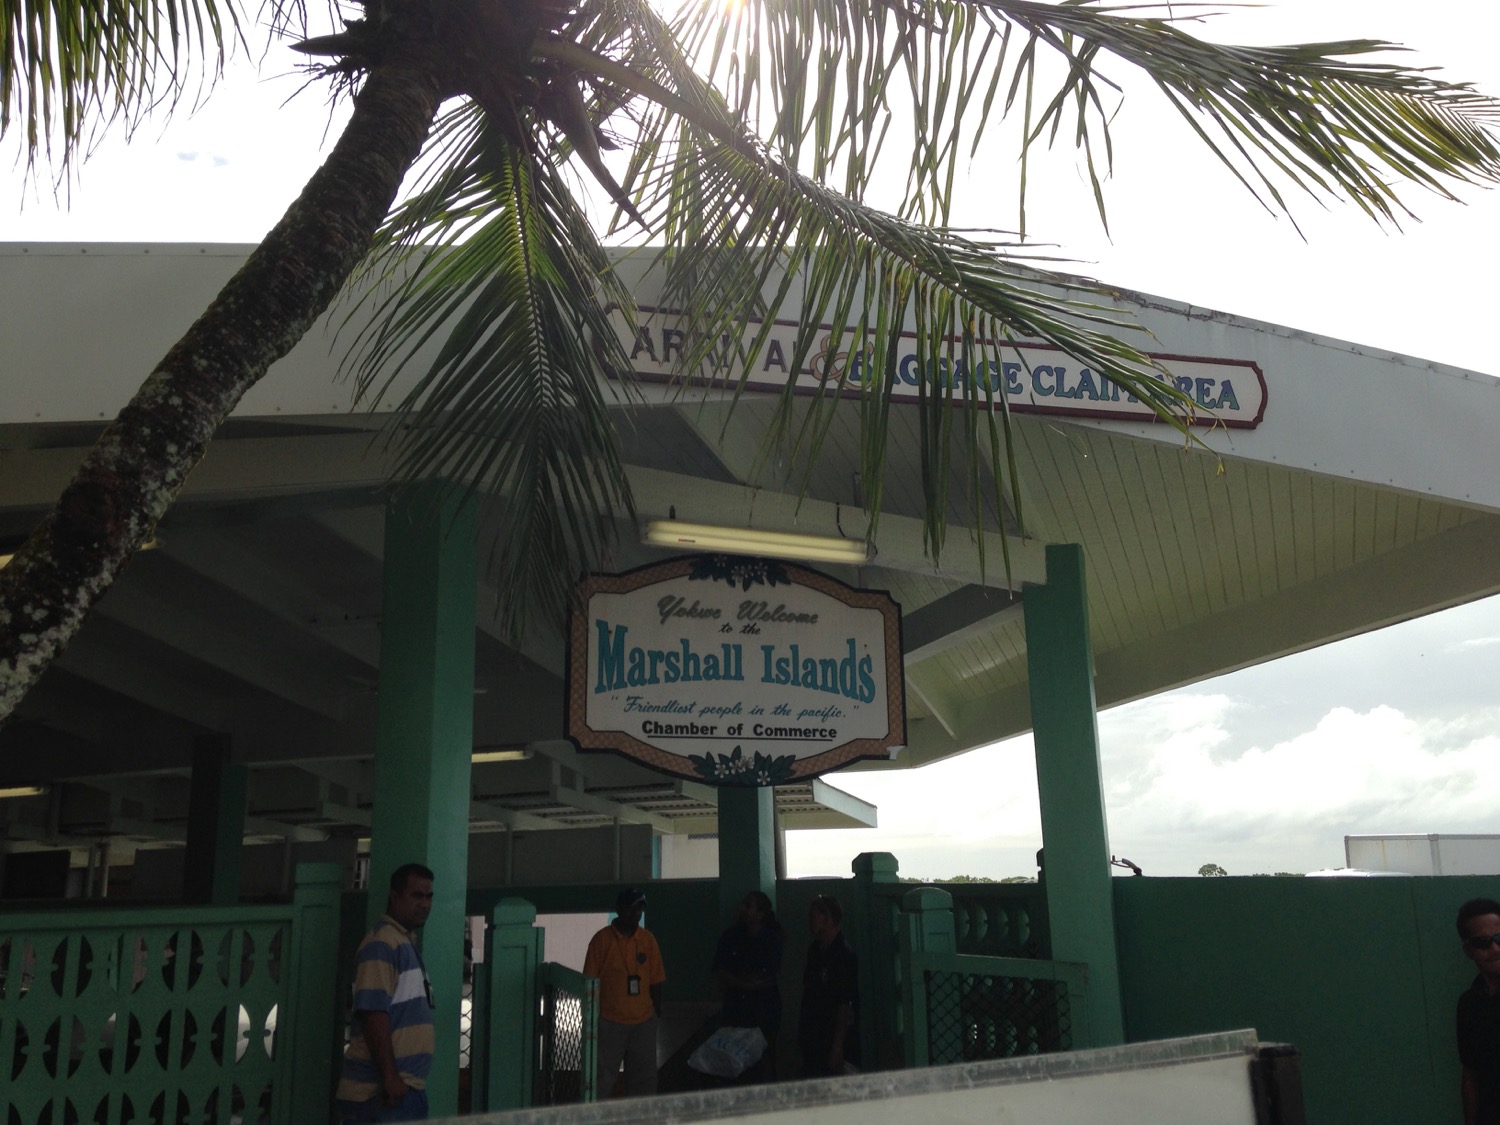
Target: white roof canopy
{"type": "Point", "coordinates": [1368, 493]}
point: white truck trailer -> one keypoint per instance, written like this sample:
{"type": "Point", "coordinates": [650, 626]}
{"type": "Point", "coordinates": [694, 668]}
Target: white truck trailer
{"type": "Point", "coordinates": [1431, 853]}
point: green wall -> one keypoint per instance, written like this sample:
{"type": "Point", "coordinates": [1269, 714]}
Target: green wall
{"type": "Point", "coordinates": [1361, 975]}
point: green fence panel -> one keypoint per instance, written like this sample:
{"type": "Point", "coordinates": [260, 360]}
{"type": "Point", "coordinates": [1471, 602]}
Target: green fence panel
{"type": "Point", "coordinates": [163, 1014]}
{"type": "Point", "coordinates": [569, 1035]}
{"type": "Point", "coordinates": [964, 1008]}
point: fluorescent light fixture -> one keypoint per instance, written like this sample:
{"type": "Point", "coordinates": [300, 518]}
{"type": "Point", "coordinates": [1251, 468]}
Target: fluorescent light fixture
{"type": "Point", "coordinates": [501, 754]}
{"type": "Point", "coordinates": [754, 541]}
{"type": "Point", "coordinates": [24, 791]}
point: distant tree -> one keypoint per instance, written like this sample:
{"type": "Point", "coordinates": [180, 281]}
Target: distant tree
{"type": "Point", "coordinates": [1212, 869]}
{"type": "Point", "coordinates": [969, 879]}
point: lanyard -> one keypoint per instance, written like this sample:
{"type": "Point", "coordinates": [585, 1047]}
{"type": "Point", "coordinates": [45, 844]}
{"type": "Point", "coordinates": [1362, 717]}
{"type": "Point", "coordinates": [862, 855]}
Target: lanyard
{"type": "Point", "coordinates": [621, 942]}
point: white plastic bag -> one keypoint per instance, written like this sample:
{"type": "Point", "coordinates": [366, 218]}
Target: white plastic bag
{"type": "Point", "coordinates": [729, 1052]}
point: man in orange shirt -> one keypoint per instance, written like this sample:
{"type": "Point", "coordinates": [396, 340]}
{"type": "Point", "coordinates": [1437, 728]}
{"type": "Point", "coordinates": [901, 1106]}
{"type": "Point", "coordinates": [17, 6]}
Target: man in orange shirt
{"type": "Point", "coordinates": [625, 958]}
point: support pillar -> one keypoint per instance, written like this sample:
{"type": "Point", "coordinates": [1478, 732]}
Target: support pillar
{"type": "Point", "coordinates": [926, 927]}
{"type": "Point", "coordinates": [311, 1038]}
{"type": "Point", "coordinates": [425, 738]}
{"type": "Point", "coordinates": [504, 1066]}
{"type": "Point", "coordinates": [869, 925]}
{"type": "Point", "coordinates": [1075, 842]}
{"type": "Point", "coordinates": [216, 825]}
{"type": "Point", "coordinates": [747, 846]}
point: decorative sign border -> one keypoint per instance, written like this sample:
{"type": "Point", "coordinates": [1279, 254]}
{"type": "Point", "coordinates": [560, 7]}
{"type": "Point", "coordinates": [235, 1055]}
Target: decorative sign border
{"type": "Point", "coordinates": [752, 612]}
{"type": "Point", "coordinates": [1228, 392]}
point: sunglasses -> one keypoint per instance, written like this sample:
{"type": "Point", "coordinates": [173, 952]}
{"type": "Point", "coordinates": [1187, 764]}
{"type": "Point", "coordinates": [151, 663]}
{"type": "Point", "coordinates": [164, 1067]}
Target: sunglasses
{"type": "Point", "coordinates": [1481, 943]}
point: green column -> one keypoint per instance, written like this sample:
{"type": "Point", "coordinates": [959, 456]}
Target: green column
{"type": "Point", "coordinates": [216, 825]}
{"type": "Point", "coordinates": [1075, 843]}
{"type": "Point", "coordinates": [747, 846]}
{"type": "Point", "coordinates": [425, 737]}
{"type": "Point", "coordinates": [505, 1065]}
{"type": "Point", "coordinates": [313, 1038]}
{"type": "Point", "coordinates": [870, 928]}
{"type": "Point", "coordinates": [927, 927]}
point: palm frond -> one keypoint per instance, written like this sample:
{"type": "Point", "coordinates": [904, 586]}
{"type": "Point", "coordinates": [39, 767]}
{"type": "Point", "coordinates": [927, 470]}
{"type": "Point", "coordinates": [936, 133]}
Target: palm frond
{"type": "Point", "coordinates": [1326, 118]}
{"type": "Point", "coordinates": [513, 404]}
{"type": "Point", "coordinates": [756, 140]}
{"type": "Point", "coordinates": [745, 232]}
{"type": "Point", "coordinates": [70, 67]}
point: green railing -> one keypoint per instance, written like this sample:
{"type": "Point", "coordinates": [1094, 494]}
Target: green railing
{"type": "Point", "coordinates": [171, 1014]}
{"type": "Point", "coordinates": [986, 919]}
{"type": "Point", "coordinates": [569, 1036]}
{"type": "Point", "coordinates": [961, 1007]}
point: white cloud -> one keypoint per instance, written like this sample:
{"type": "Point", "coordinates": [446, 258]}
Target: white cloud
{"type": "Point", "coordinates": [1183, 783]}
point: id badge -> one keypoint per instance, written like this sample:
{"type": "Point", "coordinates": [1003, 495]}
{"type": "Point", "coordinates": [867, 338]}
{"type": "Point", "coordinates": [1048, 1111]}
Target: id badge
{"type": "Point", "coordinates": [633, 985]}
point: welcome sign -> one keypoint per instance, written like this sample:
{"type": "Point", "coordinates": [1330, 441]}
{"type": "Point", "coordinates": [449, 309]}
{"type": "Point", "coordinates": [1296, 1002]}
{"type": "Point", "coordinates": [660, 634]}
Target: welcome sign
{"type": "Point", "coordinates": [735, 671]}
{"type": "Point", "coordinates": [1030, 377]}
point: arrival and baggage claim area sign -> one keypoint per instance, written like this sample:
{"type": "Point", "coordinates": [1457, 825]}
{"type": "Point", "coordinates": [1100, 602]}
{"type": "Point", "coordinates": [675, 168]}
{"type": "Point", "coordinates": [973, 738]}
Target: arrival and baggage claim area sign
{"type": "Point", "coordinates": [735, 671]}
{"type": "Point", "coordinates": [1031, 377]}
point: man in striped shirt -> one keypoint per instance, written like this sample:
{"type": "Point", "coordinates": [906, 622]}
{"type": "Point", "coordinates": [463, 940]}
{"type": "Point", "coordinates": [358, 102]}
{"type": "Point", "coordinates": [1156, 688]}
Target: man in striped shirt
{"type": "Point", "coordinates": [390, 1031]}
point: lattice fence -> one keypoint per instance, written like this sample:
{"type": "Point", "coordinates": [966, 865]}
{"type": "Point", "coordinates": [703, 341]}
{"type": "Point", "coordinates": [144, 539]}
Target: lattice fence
{"type": "Point", "coordinates": [569, 1025]}
{"type": "Point", "coordinates": [974, 1016]}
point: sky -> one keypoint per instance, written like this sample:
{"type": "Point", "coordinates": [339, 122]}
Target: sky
{"type": "Point", "coordinates": [1262, 770]}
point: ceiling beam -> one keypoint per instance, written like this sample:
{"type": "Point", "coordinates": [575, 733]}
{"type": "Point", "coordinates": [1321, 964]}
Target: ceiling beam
{"type": "Point", "coordinates": [603, 806]}
{"type": "Point", "coordinates": [938, 705]}
{"type": "Point", "coordinates": [231, 469]}
{"type": "Point", "coordinates": [514, 819]}
{"type": "Point", "coordinates": [364, 528]}
{"type": "Point", "coordinates": [355, 776]}
{"type": "Point", "coordinates": [218, 556]}
{"type": "Point", "coordinates": [108, 655]}
{"type": "Point", "coordinates": [958, 616]}
{"type": "Point", "coordinates": [222, 640]}
{"type": "Point", "coordinates": [348, 814]}
{"type": "Point", "coordinates": [844, 804]}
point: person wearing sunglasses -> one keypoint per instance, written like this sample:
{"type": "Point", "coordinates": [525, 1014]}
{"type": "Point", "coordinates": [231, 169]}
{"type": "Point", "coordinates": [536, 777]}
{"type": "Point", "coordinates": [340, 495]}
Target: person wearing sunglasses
{"type": "Point", "coordinates": [1479, 1012]}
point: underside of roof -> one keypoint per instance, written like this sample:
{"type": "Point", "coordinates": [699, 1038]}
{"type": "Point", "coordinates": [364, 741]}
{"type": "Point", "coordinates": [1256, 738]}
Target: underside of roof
{"type": "Point", "coordinates": [1367, 495]}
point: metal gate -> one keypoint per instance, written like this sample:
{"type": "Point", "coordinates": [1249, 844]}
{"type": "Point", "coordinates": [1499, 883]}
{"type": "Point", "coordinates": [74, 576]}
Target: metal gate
{"type": "Point", "coordinates": [568, 1034]}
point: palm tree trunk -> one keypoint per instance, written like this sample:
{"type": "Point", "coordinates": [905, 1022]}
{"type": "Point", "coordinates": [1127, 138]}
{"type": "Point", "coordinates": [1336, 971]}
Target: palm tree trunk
{"type": "Point", "coordinates": [140, 462]}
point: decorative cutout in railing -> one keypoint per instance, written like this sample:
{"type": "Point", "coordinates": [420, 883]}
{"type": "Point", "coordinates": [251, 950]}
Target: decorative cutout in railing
{"type": "Point", "coordinates": [993, 927]}
{"type": "Point", "coordinates": [138, 1020]}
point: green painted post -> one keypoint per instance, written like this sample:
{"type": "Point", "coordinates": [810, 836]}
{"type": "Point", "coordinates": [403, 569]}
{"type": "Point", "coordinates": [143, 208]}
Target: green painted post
{"type": "Point", "coordinates": [1075, 841]}
{"type": "Point", "coordinates": [512, 962]}
{"type": "Point", "coordinates": [425, 738]}
{"type": "Point", "coordinates": [747, 846]}
{"type": "Point", "coordinates": [926, 927]}
{"type": "Point", "coordinates": [311, 1038]}
{"type": "Point", "coordinates": [216, 825]}
{"type": "Point", "coordinates": [867, 924]}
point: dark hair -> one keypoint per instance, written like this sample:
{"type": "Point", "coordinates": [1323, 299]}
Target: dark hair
{"type": "Point", "coordinates": [406, 872]}
{"type": "Point", "coordinates": [1475, 908]}
{"type": "Point", "coordinates": [767, 910]}
{"type": "Point", "coordinates": [828, 905]}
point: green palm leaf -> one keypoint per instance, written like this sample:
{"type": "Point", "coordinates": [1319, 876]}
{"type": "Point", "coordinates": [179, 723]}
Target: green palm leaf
{"type": "Point", "coordinates": [70, 68]}
{"type": "Point", "coordinates": [513, 402]}
{"type": "Point", "coordinates": [756, 143]}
